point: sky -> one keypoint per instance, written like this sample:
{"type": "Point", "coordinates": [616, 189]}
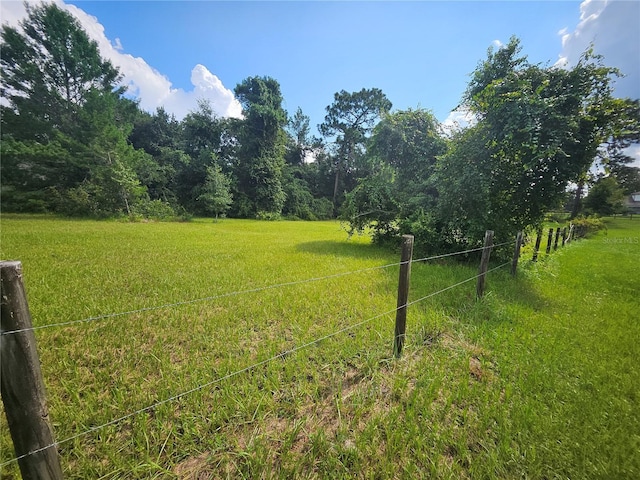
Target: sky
{"type": "Point", "coordinates": [420, 54]}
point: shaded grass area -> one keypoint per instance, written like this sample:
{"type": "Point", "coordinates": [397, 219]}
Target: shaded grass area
{"type": "Point", "coordinates": [536, 380]}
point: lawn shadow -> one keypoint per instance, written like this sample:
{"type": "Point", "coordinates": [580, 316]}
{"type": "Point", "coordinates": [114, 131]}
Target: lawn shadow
{"type": "Point", "coordinates": [347, 249]}
{"type": "Point", "coordinates": [460, 302]}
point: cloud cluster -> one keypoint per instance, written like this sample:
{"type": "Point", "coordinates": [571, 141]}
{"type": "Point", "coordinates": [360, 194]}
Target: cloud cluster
{"type": "Point", "coordinates": [143, 82]}
{"type": "Point", "coordinates": [612, 28]}
{"type": "Point", "coordinates": [458, 119]}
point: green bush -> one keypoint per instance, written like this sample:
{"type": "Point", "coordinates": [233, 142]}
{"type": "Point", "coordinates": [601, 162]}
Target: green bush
{"type": "Point", "coordinates": [269, 216]}
{"type": "Point", "coordinates": [584, 226]}
{"type": "Point", "coordinates": [322, 208]}
{"type": "Point", "coordinates": [154, 209]}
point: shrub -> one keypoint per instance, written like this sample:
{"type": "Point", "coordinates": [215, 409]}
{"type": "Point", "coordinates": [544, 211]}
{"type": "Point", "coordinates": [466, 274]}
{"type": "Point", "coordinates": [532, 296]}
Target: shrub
{"type": "Point", "coordinates": [322, 208]}
{"type": "Point", "coordinates": [584, 226]}
{"type": "Point", "coordinates": [154, 209]}
{"type": "Point", "coordinates": [269, 216]}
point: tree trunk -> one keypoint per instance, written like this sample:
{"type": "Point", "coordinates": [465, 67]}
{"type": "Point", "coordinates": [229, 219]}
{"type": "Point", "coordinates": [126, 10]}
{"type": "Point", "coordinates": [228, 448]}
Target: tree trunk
{"type": "Point", "coordinates": [335, 185]}
{"type": "Point", "coordinates": [577, 200]}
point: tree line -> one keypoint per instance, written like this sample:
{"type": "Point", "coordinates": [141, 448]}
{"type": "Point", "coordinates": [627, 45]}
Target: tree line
{"type": "Point", "coordinates": [74, 143]}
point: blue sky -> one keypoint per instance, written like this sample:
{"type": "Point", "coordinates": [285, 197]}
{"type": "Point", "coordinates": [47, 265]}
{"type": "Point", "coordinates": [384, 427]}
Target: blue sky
{"type": "Point", "coordinates": [419, 53]}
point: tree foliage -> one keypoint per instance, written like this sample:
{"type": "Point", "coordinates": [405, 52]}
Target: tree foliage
{"type": "Point", "coordinates": [49, 69]}
{"type": "Point", "coordinates": [65, 130]}
{"type": "Point", "coordinates": [349, 120]}
{"type": "Point", "coordinates": [73, 143]}
{"type": "Point", "coordinates": [605, 197]}
{"type": "Point", "coordinates": [260, 157]}
{"type": "Point", "coordinates": [538, 128]}
{"type": "Point", "coordinates": [216, 195]}
{"type": "Point", "coordinates": [402, 154]}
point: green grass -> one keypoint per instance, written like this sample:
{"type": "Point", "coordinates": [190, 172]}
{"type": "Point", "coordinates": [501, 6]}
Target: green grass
{"type": "Point", "coordinates": [537, 380]}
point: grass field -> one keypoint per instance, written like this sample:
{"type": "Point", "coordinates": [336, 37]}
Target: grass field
{"type": "Point", "coordinates": [537, 380]}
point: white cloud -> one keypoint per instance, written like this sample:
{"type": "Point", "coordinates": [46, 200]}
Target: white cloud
{"type": "Point", "coordinates": [458, 119]}
{"type": "Point", "coordinates": [634, 152]}
{"type": "Point", "coordinates": [12, 12]}
{"type": "Point", "coordinates": [151, 87]}
{"type": "Point", "coordinates": [497, 44]}
{"type": "Point", "coordinates": [612, 27]}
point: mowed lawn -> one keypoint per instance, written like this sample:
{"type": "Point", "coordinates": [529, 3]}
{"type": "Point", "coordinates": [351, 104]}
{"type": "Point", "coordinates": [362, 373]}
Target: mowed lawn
{"type": "Point", "coordinates": [537, 380]}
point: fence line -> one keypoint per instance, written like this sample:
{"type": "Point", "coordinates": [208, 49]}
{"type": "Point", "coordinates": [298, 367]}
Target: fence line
{"type": "Point", "coordinates": [245, 369]}
{"type": "Point", "coordinates": [457, 284]}
{"type": "Point", "coordinates": [238, 292]}
{"type": "Point", "coordinates": [462, 252]}
{"type": "Point", "coordinates": [203, 299]}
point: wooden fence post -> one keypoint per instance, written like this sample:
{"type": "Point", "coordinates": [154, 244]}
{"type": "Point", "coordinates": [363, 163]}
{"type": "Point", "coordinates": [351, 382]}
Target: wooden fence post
{"type": "Point", "coordinates": [484, 262]}
{"type": "Point", "coordinates": [537, 246]}
{"type": "Point", "coordinates": [571, 233]}
{"type": "Point", "coordinates": [564, 236]}
{"type": "Point", "coordinates": [555, 243]}
{"type": "Point", "coordinates": [516, 254]}
{"type": "Point", "coordinates": [549, 240]}
{"type": "Point", "coordinates": [22, 387]}
{"type": "Point", "coordinates": [403, 294]}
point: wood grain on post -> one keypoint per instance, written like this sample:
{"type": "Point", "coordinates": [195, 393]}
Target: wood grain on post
{"type": "Point", "coordinates": [516, 254]}
{"type": "Point", "coordinates": [484, 263]}
{"type": "Point", "coordinates": [536, 248]}
{"type": "Point", "coordinates": [564, 236]}
{"type": "Point", "coordinates": [555, 243]}
{"type": "Point", "coordinates": [549, 240]}
{"type": "Point", "coordinates": [403, 294]}
{"type": "Point", "coordinates": [22, 387]}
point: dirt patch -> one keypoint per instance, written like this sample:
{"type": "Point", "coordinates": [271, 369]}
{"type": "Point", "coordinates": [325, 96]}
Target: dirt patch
{"type": "Point", "coordinates": [195, 468]}
{"type": "Point", "coordinates": [475, 368]}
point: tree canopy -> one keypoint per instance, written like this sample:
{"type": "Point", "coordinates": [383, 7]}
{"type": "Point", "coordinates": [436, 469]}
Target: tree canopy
{"type": "Point", "coordinates": [73, 143]}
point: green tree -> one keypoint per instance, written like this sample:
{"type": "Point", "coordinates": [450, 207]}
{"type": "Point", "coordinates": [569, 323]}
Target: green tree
{"type": "Point", "coordinates": [64, 132]}
{"type": "Point", "coordinates": [605, 197]}
{"type": "Point", "coordinates": [261, 150]}
{"type": "Point", "coordinates": [49, 67]}
{"type": "Point", "coordinates": [160, 136]}
{"type": "Point", "coordinates": [349, 120]}
{"type": "Point", "coordinates": [410, 141]}
{"type": "Point", "coordinates": [300, 143]}
{"type": "Point", "coordinates": [200, 146]}
{"type": "Point", "coordinates": [537, 130]}
{"type": "Point", "coordinates": [216, 195]}
{"type": "Point", "coordinates": [626, 133]}
{"type": "Point", "coordinates": [402, 153]}
{"type": "Point", "coordinates": [110, 164]}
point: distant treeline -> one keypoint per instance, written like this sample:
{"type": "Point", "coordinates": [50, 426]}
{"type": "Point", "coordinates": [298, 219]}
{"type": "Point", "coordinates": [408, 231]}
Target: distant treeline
{"type": "Point", "coordinates": [74, 144]}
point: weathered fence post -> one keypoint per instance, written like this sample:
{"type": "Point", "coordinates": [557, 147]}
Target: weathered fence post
{"type": "Point", "coordinates": [537, 246]}
{"type": "Point", "coordinates": [516, 254]}
{"type": "Point", "coordinates": [564, 236]}
{"type": "Point", "coordinates": [23, 391]}
{"type": "Point", "coordinates": [555, 243]}
{"type": "Point", "coordinates": [403, 294]}
{"type": "Point", "coordinates": [571, 233]}
{"type": "Point", "coordinates": [484, 262]}
{"type": "Point", "coordinates": [549, 240]}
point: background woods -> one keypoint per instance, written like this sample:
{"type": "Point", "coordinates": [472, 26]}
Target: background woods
{"type": "Point", "coordinates": [73, 143]}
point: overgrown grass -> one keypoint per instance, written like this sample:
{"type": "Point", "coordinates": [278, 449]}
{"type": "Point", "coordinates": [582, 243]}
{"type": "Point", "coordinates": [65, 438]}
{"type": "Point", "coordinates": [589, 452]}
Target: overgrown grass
{"type": "Point", "coordinates": [537, 380]}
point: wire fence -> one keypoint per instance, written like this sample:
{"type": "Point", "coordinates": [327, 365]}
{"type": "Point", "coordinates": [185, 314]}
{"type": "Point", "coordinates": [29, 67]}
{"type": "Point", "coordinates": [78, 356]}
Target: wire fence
{"type": "Point", "coordinates": [242, 292]}
{"type": "Point", "coordinates": [260, 363]}
{"type": "Point", "coordinates": [250, 367]}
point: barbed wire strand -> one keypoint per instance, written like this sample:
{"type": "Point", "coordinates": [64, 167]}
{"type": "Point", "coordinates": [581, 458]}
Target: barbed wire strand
{"type": "Point", "coordinates": [200, 387]}
{"type": "Point", "coordinates": [198, 300]}
{"type": "Point", "coordinates": [456, 285]}
{"type": "Point", "coordinates": [231, 294]}
{"type": "Point", "coordinates": [462, 252]}
{"type": "Point", "coordinates": [246, 369]}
